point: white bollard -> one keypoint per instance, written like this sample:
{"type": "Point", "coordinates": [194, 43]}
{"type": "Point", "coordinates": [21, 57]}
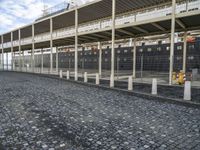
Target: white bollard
{"type": "Point", "coordinates": [130, 83]}
{"type": "Point", "coordinates": [85, 77]}
{"type": "Point", "coordinates": [67, 75]}
{"type": "Point", "coordinates": [97, 79]}
{"type": "Point", "coordinates": [154, 87]}
{"type": "Point", "coordinates": [187, 90]}
{"type": "Point", "coordinates": [111, 82]}
{"type": "Point", "coordinates": [61, 74]}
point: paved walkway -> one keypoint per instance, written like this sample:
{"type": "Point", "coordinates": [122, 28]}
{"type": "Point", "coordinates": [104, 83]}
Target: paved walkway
{"type": "Point", "coordinates": [43, 113]}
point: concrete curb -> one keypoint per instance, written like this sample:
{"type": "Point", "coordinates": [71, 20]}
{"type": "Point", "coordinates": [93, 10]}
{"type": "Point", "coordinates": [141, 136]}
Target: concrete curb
{"type": "Point", "coordinates": [123, 91]}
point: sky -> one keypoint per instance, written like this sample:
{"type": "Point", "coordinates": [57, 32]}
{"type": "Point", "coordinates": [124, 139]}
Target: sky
{"type": "Point", "coordinates": [16, 13]}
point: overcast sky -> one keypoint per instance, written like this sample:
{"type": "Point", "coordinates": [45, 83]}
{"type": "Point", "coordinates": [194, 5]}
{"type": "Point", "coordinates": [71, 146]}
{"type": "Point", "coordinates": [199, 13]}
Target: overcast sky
{"type": "Point", "coordinates": [16, 13]}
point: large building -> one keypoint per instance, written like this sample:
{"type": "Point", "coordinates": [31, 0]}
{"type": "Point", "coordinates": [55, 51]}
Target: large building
{"type": "Point", "coordinates": [103, 22]}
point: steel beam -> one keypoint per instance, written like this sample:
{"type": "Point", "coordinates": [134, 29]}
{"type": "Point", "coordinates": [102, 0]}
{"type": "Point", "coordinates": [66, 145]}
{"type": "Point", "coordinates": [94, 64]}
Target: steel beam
{"type": "Point", "coordinates": [2, 52]}
{"type": "Point", "coordinates": [33, 49]}
{"type": "Point", "coordinates": [11, 37]}
{"type": "Point", "coordinates": [76, 46]}
{"type": "Point", "coordinates": [100, 58]}
{"type": "Point", "coordinates": [113, 45]}
{"type": "Point", "coordinates": [134, 57]}
{"type": "Point", "coordinates": [20, 57]}
{"type": "Point", "coordinates": [172, 41]}
{"type": "Point", "coordinates": [51, 45]}
{"type": "Point", "coordinates": [184, 51]}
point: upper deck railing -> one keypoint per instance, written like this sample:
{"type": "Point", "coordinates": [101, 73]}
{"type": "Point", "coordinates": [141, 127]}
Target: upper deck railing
{"type": "Point", "coordinates": [121, 19]}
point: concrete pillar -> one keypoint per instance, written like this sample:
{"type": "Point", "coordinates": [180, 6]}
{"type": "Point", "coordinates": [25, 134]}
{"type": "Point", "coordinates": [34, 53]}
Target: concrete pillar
{"type": "Point", "coordinates": [7, 60]}
{"type": "Point", "coordinates": [130, 83]}
{"type": "Point", "coordinates": [11, 37]}
{"type": "Point", "coordinates": [2, 53]}
{"type": "Point", "coordinates": [154, 87]}
{"type": "Point", "coordinates": [184, 51]}
{"type": "Point", "coordinates": [113, 45]}
{"type": "Point", "coordinates": [20, 56]}
{"type": "Point", "coordinates": [100, 58]}
{"type": "Point", "coordinates": [68, 76]}
{"type": "Point", "coordinates": [51, 45]}
{"type": "Point", "coordinates": [61, 73]}
{"type": "Point", "coordinates": [13, 60]}
{"type": "Point", "coordinates": [134, 58]}
{"type": "Point", "coordinates": [23, 65]}
{"type": "Point", "coordinates": [56, 59]}
{"type": "Point", "coordinates": [85, 77]}
{"type": "Point", "coordinates": [97, 79]}
{"type": "Point", "coordinates": [76, 47]}
{"type": "Point", "coordinates": [172, 41]}
{"type": "Point", "coordinates": [187, 91]}
{"type": "Point", "coordinates": [42, 61]}
{"type": "Point", "coordinates": [33, 49]}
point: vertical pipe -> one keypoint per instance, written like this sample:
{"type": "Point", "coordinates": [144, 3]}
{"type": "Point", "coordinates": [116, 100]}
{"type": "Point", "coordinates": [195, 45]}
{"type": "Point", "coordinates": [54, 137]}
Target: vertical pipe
{"type": "Point", "coordinates": [33, 49]}
{"type": "Point", "coordinates": [184, 51]}
{"type": "Point", "coordinates": [100, 58]}
{"type": "Point", "coordinates": [76, 46]}
{"type": "Point", "coordinates": [2, 52]}
{"type": "Point", "coordinates": [11, 37]}
{"type": "Point", "coordinates": [134, 58]}
{"type": "Point", "coordinates": [7, 60]}
{"type": "Point", "coordinates": [113, 45]}
{"type": "Point", "coordinates": [172, 41]}
{"type": "Point", "coordinates": [42, 63]}
{"type": "Point", "coordinates": [57, 59]}
{"type": "Point", "coordinates": [20, 59]}
{"type": "Point", "coordinates": [51, 45]}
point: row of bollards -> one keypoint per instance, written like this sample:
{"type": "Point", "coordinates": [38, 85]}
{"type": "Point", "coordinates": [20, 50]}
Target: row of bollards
{"type": "Point", "coordinates": [187, 89]}
{"type": "Point", "coordinates": [154, 91]}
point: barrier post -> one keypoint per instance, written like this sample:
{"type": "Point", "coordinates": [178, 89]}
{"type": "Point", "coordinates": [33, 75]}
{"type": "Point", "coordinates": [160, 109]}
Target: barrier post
{"type": "Point", "coordinates": [187, 90]}
{"type": "Point", "coordinates": [97, 79]}
{"type": "Point", "coordinates": [61, 74]}
{"type": "Point", "coordinates": [85, 77]}
{"type": "Point", "coordinates": [130, 83]}
{"type": "Point", "coordinates": [67, 75]}
{"type": "Point", "coordinates": [154, 87]}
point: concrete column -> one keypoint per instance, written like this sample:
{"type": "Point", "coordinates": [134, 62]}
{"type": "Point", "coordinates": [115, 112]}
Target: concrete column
{"type": "Point", "coordinates": [51, 45]}
{"type": "Point", "coordinates": [134, 58]}
{"type": "Point", "coordinates": [13, 60]}
{"type": "Point", "coordinates": [23, 65]}
{"type": "Point", "coordinates": [7, 60]}
{"type": "Point", "coordinates": [184, 51]}
{"type": "Point", "coordinates": [20, 57]}
{"type": "Point", "coordinates": [33, 49]}
{"type": "Point", "coordinates": [113, 45]}
{"type": "Point", "coordinates": [2, 53]}
{"type": "Point", "coordinates": [11, 37]}
{"type": "Point", "coordinates": [76, 46]}
{"type": "Point", "coordinates": [100, 58]}
{"type": "Point", "coordinates": [56, 59]}
{"type": "Point", "coordinates": [172, 41]}
{"type": "Point", "coordinates": [42, 61]}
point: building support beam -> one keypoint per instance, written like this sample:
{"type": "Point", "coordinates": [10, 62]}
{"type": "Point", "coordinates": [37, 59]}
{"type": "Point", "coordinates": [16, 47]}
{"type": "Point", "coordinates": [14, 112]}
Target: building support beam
{"type": "Point", "coordinates": [51, 46]}
{"type": "Point", "coordinates": [100, 58]}
{"type": "Point", "coordinates": [113, 45]}
{"type": "Point", "coordinates": [76, 46]}
{"type": "Point", "coordinates": [172, 41]}
{"type": "Point", "coordinates": [42, 61]}
{"type": "Point", "coordinates": [20, 56]}
{"type": "Point", "coordinates": [7, 60]}
{"type": "Point", "coordinates": [180, 23]}
{"type": "Point", "coordinates": [33, 49]}
{"type": "Point", "coordinates": [23, 65]}
{"type": "Point", "coordinates": [134, 57]}
{"type": "Point", "coordinates": [140, 29]}
{"type": "Point", "coordinates": [184, 51]}
{"type": "Point", "coordinates": [56, 59]}
{"type": "Point", "coordinates": [11, 37]}
{"type": "Point", "coordinates": [125, 32]}
{"type": "Point", "coordinates": [2, 53]}
{"type": "Point", "coordinates": [158, 26]}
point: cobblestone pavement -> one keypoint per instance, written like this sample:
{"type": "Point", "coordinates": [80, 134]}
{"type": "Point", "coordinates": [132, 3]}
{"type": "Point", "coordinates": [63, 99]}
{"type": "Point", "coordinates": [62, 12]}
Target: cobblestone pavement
{"type": "Point", "coordinates": [43, 113]}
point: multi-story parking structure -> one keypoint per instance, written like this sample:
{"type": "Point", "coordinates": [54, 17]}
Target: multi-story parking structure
{"type": "Point", "coordinates": [106, 20]}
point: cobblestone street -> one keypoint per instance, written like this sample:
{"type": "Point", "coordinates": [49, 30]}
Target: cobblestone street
{"type": "Point", "coordinates": [44, 113]}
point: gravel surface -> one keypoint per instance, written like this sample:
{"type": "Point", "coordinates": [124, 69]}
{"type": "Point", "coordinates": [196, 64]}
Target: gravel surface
{"type": "Point", "coordinates": [44, 113]}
